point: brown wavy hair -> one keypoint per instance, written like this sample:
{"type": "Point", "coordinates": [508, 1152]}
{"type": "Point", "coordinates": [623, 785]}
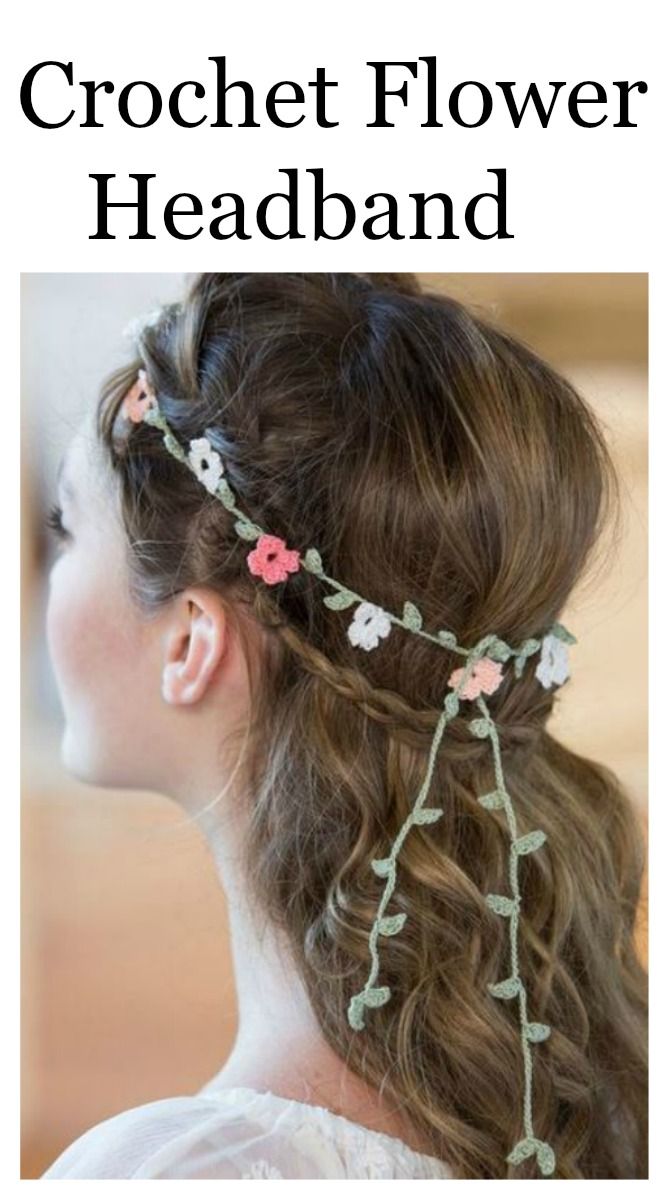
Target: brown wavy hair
{"type": "Point", "coordinates": [431, 457]}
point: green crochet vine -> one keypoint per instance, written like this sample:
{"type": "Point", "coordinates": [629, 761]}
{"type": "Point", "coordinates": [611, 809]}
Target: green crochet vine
{"type": "Point", "coordinates": [507, 906]}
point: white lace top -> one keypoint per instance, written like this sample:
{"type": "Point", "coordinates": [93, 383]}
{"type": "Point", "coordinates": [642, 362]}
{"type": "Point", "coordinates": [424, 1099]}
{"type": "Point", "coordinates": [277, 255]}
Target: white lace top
{"type": "Point", "coordinates": [238, 1132]}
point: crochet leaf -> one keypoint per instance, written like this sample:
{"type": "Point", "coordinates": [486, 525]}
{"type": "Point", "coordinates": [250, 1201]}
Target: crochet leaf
{"type": "Point", "coordinates": [154, 417]}
{"type": "Point", "coordinates": [313, 560]}
{"type": "Point", "coordinates": [422, 817]}
{"type": "Point", "coordinates": [392, 925]}
{"type": "Point", "coordinates": [499, 650]}
{"type": "Point", "coordinates": [522, 1151]}
{"type": "Point", "coordinates": [451, 705]}
{"type": "Point", "coordinates": [537, 1032]}
{"type": "Point", "coordinates": [493, 801]}
{"type": "Point", "coordinates": [174, 446]}
{"type": "Point", "coordinates": [248, 530]}
{"type": "Point", "coordinates": [560, 632]}
{"type": "Point", "coordinates": [340, 600]}
{"type": "Point", "coordinates": [377, 996]}
{"type": "Point", "coordinates": [530, 842]}
{"type": "Point", "coordinates": [479, 727]}
{"type": "Point", "coordinates": [368, 997]}
{"type": "Point", "coordinates": [528, 647]}
{"type": "Point", "coordinates": [355, 1012]}
{"type": "Point", "coordinates": [382, 867]}
{"type": "Point", "coordinates": [506, 989]}
{"type": "Point", "coordinates": [225, 493]}
{"type": "Point", "coordinates": [412, 618]}
{"type": "Point", "coordinates": [447, 638]}
{"type": "Point", "coordinates": [545, 1159]}
{"type": "Point", "coordinates": [501, 905]}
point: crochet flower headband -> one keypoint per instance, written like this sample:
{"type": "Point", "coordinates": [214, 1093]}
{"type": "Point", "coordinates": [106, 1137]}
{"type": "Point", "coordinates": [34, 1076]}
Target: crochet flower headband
{"type": "Point", "coordinates": [481, 675]}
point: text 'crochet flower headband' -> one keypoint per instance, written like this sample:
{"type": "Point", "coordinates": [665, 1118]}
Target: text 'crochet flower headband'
{"type": "Point", "coordinates": [482, 673]}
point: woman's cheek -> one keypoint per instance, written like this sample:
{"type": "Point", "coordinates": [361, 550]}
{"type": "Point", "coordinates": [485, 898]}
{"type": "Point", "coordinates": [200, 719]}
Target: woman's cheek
{"type": "Point", "coordinates": [99, 657]}
{"type": "Point", "coordinates": [64, 619]}
{"type": "Point", "coordinates": [87, 642]}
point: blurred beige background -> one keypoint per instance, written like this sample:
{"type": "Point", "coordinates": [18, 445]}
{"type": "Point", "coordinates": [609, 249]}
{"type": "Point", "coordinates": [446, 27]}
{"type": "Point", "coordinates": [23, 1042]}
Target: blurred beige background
{"type": "Point", "coordinates": [127, 993]}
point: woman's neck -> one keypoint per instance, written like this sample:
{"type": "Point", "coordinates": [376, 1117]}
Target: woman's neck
{"type": "Point", "coordinates": [279, 1046]}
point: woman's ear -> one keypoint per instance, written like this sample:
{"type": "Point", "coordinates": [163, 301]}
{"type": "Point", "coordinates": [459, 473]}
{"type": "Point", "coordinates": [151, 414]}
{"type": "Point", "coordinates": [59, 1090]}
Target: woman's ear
{"type": "Point", "coordinates": [193, 646]}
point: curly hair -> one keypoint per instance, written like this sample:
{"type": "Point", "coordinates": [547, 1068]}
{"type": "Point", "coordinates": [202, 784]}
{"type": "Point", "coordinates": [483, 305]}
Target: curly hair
{"type": "Point", "coordinates": [427, 454]}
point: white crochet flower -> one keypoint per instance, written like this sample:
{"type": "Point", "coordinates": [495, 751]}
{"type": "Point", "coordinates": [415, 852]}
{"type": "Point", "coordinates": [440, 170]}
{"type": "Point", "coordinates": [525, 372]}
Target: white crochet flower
{"type": "Point", "coordinates": [206, 462]}
{"type": "Point", "coordinates": [553, 666]}
{"type": "Point", "coordinates": [370, 624]}
{"type": "Point", "coordinates": [136, 325]}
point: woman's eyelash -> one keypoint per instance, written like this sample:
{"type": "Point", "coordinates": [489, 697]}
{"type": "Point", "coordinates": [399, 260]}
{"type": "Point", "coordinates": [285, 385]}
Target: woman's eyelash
{"type": "Point", "coordinates": [54, 521]}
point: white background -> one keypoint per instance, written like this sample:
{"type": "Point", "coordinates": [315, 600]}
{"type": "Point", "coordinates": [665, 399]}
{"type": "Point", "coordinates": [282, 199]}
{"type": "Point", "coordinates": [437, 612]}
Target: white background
{"type": "Point", "coordinates": [578, 200]}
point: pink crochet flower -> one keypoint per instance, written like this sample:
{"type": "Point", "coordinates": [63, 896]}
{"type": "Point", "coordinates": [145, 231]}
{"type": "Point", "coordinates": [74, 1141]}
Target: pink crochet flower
{"type": "Point", "coordinates": [485, 677]}
{"type": "Point", "coordinates": [272, 560]}
{"type": "Point", "coordinates": [138, 399]}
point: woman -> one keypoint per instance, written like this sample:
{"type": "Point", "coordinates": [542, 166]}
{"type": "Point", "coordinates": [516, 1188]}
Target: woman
{"type": "Point", "coordinates": [428, 456]}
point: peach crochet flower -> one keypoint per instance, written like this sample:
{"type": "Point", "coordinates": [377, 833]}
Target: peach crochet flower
{"type": "Point", "coordinates": [272, 560]}
{"type": "Point", "coordinates": [139, 398]}
{"type": "Point", "coordinates": [485, 677]}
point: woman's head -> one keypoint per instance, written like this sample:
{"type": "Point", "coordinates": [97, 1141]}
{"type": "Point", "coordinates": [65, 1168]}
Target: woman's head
{"type": "Point", "coordinates": [429, 457]}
